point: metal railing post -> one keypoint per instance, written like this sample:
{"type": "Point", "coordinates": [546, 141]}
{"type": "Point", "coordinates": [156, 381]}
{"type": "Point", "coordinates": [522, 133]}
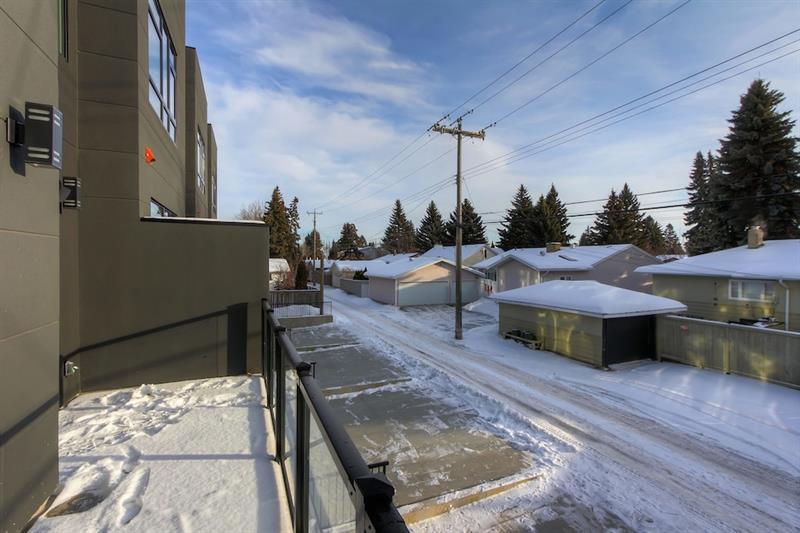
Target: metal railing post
{"type": "Point", "coordinates": [301, 501]}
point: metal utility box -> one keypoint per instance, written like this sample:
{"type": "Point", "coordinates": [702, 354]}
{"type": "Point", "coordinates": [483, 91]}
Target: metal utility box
{"type": "Point", "coordinates": [43, 135]}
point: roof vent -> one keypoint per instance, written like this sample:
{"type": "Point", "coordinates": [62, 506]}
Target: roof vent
{"type": "Point", "coordinates": [542, 252]}
{"type": "Point", "coordinates": [553, 247]}
{"type": "Point", "coordinates": [755, 237]}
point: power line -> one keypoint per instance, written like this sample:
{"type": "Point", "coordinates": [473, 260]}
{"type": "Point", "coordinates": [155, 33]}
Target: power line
{"type": "Point", "coordinates": [602, 56]}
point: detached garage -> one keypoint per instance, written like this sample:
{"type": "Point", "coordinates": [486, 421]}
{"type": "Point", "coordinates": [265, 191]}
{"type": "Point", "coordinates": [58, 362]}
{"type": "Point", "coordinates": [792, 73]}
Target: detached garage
{"type": "Point", "coordinates": [585, 320]}
{"type": "Point", "coordinates": [421, 281]}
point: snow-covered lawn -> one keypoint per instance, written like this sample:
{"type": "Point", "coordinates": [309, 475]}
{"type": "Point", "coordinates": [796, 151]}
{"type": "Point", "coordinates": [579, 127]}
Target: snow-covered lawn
{"type": "Point", "coordinates": [662, 446]}
{"type": "Point", "coordinates": [188, 456]}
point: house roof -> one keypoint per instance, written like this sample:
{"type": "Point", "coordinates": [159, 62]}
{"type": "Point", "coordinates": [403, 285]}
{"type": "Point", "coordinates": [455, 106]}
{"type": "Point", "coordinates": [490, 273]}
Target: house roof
{"type": "Point", "coordinates": [278, 265]}
{"type": "Point", "coordinates": [571, 259]}
{"type": "Point", "coordinates": [391, 258]}
{"type": "Point", "coordinates": [355, 265]}
{"type": "Point", "coordinates": [326, 263]}
{"type": "Point", "coordinates": [449, 252]}
{"type": "Point", "coordinates": [776, 260]}
{"type": "Point", "coordinates": [590, 298]}
{"type": "Point", "coordinates": [398, 269]}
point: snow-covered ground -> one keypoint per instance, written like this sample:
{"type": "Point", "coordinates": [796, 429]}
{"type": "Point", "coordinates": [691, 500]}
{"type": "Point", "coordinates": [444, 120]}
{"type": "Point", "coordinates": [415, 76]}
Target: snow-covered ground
{"type": "Point", "coordinates": [188, 456]}
{"type": "Point", "coordinates": [661, 446]}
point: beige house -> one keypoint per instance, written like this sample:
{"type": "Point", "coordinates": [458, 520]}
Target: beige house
{"type": "Point", "coordinates": [585, 320]}
{"type": "Point", "coordinates": [343, 269]}
{"type": "Point", "coordinates": [613, 264]}
{"type": "Point", "coordinates": [757, 283]}
{"type": "Point", "coordinates": [421, 281]}
{"type": "Point", "coordinates": [470, 253]}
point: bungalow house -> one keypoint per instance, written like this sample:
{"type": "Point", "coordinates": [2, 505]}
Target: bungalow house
{"type": "Point", "coordinates": [758, 283]}
{"type": "Point", "coordinates": [343, 269]}
{"type": "Point", "coordinates": [584, 320]}
{"type": "Point", "coordinates": [612, 264]}
{"type": "Point", "coordinates": [278, 272]}
{"type": "Point", "coordinates": [470, 253]}
{"type": "Point", "coordinates": [421, 281]}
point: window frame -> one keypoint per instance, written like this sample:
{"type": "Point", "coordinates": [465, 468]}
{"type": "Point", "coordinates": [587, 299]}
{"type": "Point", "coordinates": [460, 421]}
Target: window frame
{"type": "Point", "coordinates": [164, 89]}
{"type": "Point", "coordinates": [161, 210]}
{"type": "Point", "coordinates": [565, 277]}
{"type": "Point", "coordinates": [200, 161]}
{"type": "Point", "coordinates": [63, 29]}
{"type": "Point", "coordinates": [767, 290]}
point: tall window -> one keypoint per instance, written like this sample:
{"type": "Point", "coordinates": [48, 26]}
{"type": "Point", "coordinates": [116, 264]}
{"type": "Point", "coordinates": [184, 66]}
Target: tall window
{"type": "Point", "coordinates": [751, 290]}
{"type": "Point", "coordinates": [213, 193]}
{"type": "Point", "coordinates": [161, 57]}
{"type": "Point", "coordinates": [159, 210]}
{"type": "Point", "coordinates": [201, 163]}
{"type": "Point", "coordinates": [63, 29]}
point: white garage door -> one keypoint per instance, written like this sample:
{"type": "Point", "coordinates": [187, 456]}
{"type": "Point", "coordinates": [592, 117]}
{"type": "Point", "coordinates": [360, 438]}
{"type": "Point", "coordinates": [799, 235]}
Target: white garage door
{"type": "Point", "coordinates": [424, 293]}
{"type": "Point", "coordinates": [470, 291]}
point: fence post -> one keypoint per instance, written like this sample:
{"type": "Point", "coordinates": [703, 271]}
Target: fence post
{"type": "Point", "coordinates": [280, 396]}
{"type": "Point", "coordinates": [303, 445]}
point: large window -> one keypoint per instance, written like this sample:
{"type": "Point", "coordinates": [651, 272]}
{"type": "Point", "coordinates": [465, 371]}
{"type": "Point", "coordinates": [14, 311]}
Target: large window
{"type": "Point", "coordinates": [63, 29]}
{"type": "Point", "coordinates": [159, 210]}
{"type": "Point", "coordinates": [213, 193]}
{"type": "Point", "coordinates": [751, 290]}
{"type": "Point", "coordinates": [201, 163]}
{"type": "Point", "coordinates": [161, 57]}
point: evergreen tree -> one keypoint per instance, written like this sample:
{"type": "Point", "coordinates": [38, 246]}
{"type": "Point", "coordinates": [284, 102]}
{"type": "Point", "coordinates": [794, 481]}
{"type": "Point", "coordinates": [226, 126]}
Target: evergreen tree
{"type": "Point", "coordinates": [558, 221]}
{"type": "Point", "coordinates": [308, 245]}
{"type": "Point", "coordinates": [399, 235]}
{"type": "Point", "coordinates": [276, 217]}
{"type": "Point", "coordinates": [349, 242]}
{"type": "Point", "coordinates": [301, 276]}
{"type": "Point", "coordinates": [516, 230]}
{"type": "Point", "coordinates": [587, 238]}
{"type": "Point", "coordinates": [758, 159]}
{"type": "Point", "coordinates": [653, 240]}
{"type": "Point", "coordinates": [431, 229]}
{"type": "Point", "coordinates": [473, 230]}
{"type": "Point", "coordinates": [620, 222]}
{"type": "Point", "coordinates": [293, 213]}
{"type": "Point", "coordinates": [333, 252]}
{"type": "Point", "coordinates": [671, 241]}
{"type": "Point", "coordinates": [697, 236]}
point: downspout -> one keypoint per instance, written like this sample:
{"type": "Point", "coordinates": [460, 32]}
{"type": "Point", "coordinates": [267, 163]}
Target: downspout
{"type": "Point", "coordinates": [785, 305]}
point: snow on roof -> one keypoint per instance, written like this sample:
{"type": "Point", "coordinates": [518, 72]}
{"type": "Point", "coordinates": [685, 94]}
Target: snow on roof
{"type": "Point", "coordinates": [449, 252]}
{"type": "Point", "coordinates": [398, 269]}
{"type": "Point", "coordinates": [326, 263]}
{"type": "Point", "coordinates": [567, 259]}
{"type": "Point", "coordinates": [355, 265]}
{"type": "Point", "coordinates": [278, 265]}
{"type": "Point", "coordinates": [490, 262]}
{"type": "Point", "coordinates": [589, 298]}
{"type": "Point", "coordinates": [775, 260]}
{"type": "Point", "coordinates": [396, 257]}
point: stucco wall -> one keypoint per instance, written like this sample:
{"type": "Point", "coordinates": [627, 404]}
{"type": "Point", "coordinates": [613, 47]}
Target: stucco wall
{"type": "Point", "coordinates": [707, 297]}
{"type": "Point", "coordinates": [382, 290]}
{"type": "Point", "coordinates": [513, 275]}
{"type": "Point", "coordinates": [576, 336]}
{"type": "Point", "coordinates": [29, 263]}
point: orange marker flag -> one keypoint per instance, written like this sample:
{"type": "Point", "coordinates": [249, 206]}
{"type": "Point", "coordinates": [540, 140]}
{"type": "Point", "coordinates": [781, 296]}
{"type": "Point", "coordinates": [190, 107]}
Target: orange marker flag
{"type": "Point", "coordinates": [148, 155]}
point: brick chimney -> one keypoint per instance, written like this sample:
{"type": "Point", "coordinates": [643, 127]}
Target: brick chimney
{"type": "Point", "coordinates": [553, 247]}
{"type": "Point", "coordinates": [755, 237]}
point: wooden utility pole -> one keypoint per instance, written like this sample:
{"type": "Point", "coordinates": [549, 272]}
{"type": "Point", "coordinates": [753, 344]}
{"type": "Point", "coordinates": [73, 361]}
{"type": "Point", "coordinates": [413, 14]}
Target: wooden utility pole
{"type": "Point", "coordinates": [321, 263]}
{"type": "Point", "coordinates": [458, 133]}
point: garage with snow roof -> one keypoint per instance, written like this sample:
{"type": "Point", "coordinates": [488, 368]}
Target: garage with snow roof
{"type": "Point", "coordinates": [422, 281]}
{"type": "Point", "coordinates": [585, 320]}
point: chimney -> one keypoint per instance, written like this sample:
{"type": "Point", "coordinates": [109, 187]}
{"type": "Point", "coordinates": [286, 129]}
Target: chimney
{"type": "Point", "coordinates": [755, 237]}
{"type": "Point", "coordinates": [553, 247]}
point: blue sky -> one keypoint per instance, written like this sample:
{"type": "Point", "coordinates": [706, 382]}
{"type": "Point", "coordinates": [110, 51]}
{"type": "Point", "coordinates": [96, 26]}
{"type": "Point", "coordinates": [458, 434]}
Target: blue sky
{"type": "Point", "coordinates": [314, 97]}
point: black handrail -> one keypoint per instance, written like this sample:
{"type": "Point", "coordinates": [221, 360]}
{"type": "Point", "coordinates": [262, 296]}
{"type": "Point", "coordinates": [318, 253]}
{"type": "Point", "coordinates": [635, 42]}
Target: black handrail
{"type": "Point", "coordinates": [372, 492]}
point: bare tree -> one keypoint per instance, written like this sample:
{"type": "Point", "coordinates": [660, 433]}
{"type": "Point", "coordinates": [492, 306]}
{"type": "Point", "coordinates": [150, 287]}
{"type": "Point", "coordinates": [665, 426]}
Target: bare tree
{"type": "Point", "coordinates": [252, 211]}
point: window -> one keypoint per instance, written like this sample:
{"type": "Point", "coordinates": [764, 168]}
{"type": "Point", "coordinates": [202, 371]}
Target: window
{"type": "Point", "coordinates": [159, 210]}
{"type": "Point", "coordinates": [565, 278]}
{"type": "Point", "coordinates": [201, 163]}
{"type": "Point", "coordinates": [751, 290]}
{"type": "Point", "coordinates": [63, 29]}
{"type": "Point", "coordinates": [161, 58]}
{"type": "Point", "coordinates": [491, 275]}
{"type": "Point", "coordinates": [213, 193]}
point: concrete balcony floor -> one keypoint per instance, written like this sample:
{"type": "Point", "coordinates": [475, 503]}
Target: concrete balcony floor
{"type": "Point", "coordinates": [187, 456]}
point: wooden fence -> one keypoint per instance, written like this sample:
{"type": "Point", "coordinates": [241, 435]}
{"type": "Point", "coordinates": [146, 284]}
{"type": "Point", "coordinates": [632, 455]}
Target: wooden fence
{"type": "Point", "coordinates": [280, 298]}
{"type": "Point", "coordinates": [765, 354]}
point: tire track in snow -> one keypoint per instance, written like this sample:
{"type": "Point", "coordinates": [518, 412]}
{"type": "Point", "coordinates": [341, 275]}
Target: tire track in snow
{"type": "Point", "coordinates": [722, 505]}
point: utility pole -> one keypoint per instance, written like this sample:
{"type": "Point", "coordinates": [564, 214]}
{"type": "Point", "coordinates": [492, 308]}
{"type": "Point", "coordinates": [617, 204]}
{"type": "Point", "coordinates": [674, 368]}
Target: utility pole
{"type": "Point", "coordinates": [321, 263]}
{"type": "Point", "coordinates": [458, 133]}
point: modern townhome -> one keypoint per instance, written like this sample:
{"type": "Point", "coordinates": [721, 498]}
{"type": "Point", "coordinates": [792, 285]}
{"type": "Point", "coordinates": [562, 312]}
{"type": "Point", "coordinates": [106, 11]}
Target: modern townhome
{"type": "Point", "coordinates": [758, 283]}
{"type": "Point", "coordinates": [585, 320]}
{"type": "Point", "coordinates": [470, 253]}
{"type": "Point", "coordinates": [115, 272]}
{"type": "Point", "coordinates": [421, 281]}
{"type": "Point", "coordinates": [612, 264]}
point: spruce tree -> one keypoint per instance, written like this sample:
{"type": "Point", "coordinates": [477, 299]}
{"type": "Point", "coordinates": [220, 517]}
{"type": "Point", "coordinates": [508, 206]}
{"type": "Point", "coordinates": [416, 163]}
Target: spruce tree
{"type": "Point", "coordinates": [473, 231]}
{"type": "Point", "coordinates": [293, 213]}
{"type": "Point", "coordinates": [280, 232]}
{"type": "Point", "coordinates": [301, 276]}
{"type": "Point", "coordinates": [399, 235]}
{"type": "Point", "coordinates": [758, 160]}
{"type": "Point", "coordinates": [697, 236]}
{"type": "Point", "coordinates": [653, 240]}
{"type": "Point", "coordinates": [620, 222]}
{"type": "Point", "coordinates": [431, 229]}
{"type": "Point", "coordinates": [558, 220]}
{"type": "Point", "coordinates": [516, 229]}
{"type": "Point", "coordinates": [349, 242]}
{"type": "Point", "coordinates": [333, 251]}
{"type": "Point", "coordinates": [671, 241]}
